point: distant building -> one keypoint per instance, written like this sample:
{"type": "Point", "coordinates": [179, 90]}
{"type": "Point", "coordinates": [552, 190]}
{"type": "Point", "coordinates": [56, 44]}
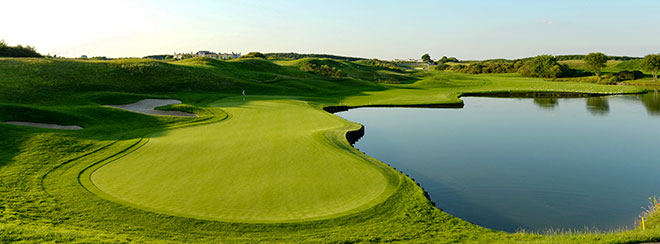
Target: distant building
{"type": "Point", "coordinates": [225, 56]}
{"type": "Point", "coordinates": [179, 56]}
{"type": "Point", "coordinates": [208, 54]}
{"type": "Point", "coordinates": [83, 56]}
{"type": "Point", "coordinates": [204, 53]}
{"type": "Point", "coordinates": [409, 60]}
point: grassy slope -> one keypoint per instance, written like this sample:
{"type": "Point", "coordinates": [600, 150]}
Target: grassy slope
{"type": "Point", "coordinates": [446, 87]}
{"type": "Point", "coordinates": [209, 171]}
{"type": "Point", "coordinates": [48, 81]}
{"type": "Point", "coordinates": [614, 66]}
{"type": "Point", "coordinates": [356, 70]}
{"type": "Point", "coordinates": [41, 198]}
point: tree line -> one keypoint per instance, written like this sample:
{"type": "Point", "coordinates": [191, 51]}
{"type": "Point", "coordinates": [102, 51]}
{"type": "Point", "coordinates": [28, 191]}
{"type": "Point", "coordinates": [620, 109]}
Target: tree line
{"type": "Point", "coordinates": [426, 58]}
{"type": "Point", "coordinates": [380, 64]}
{"type": "Point", "coordinates": [578, 56]}
{"type": "Point", "coordinates": [303, 55]}
{"type": "Point", "coordinates": [548, 66]}
{"type": "Point", "coordinates": [597, 61]}
{"type": "Point", "coordinates": [543, 66]}
{"type": "Point", "coordinates": [17, 51]}
{"type": "Point", "coordinates": [322, 69]}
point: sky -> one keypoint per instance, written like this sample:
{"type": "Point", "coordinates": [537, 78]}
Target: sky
{"type": "Point", "coordinates": [382, 29]}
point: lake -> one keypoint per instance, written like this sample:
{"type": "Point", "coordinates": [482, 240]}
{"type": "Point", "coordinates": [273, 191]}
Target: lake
{"type": "Point", "coordinates": [526, 163]}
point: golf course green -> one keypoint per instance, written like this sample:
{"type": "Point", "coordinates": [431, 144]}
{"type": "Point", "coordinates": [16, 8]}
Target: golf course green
{"type": "Point", "coordinates": [268, 167]}
{"type": "Point", "coordinates": [208, 171]}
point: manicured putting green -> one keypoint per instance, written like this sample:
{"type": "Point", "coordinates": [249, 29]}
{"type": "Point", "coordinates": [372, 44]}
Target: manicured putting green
{"type": "Point", "coordinates": [272, 161]}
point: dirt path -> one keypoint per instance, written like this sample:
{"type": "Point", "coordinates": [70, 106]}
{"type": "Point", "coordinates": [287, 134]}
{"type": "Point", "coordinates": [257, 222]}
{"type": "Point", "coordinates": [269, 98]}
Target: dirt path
{"type": "Point", "coordinates": [147, 106]}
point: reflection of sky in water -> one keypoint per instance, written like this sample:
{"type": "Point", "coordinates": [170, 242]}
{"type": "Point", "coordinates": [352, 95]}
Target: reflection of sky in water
{"type": "Point", "coordinates": [526, 163]}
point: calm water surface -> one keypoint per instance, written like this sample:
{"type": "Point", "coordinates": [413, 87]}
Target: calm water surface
{"type": "Point", "coordinates": [533, 164]}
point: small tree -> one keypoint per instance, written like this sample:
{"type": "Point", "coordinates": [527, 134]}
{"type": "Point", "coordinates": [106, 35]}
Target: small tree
{"type": "Point", "coordinates": [427, 58]}
{"type": "Point", "coordinates": [545, 66]}
{"type": "Point", "coordinates": [595, 62]}
{"type": "Point", "coordinates": [652, 63]}
{"type": "Point", "coordinates": [445, 59]}
{"type": "Point", "coordinates": [542, 66]}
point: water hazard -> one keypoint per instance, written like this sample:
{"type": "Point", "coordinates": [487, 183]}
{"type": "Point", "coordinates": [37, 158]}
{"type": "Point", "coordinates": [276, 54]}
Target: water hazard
{"type": "Point", "coordinates": [526, 163]}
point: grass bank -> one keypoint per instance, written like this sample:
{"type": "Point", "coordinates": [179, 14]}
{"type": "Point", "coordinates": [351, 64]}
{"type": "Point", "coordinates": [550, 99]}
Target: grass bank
{"type": "Point", "coordinates": [273, 168]}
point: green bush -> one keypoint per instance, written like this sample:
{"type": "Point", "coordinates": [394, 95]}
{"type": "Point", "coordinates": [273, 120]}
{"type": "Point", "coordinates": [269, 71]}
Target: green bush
{"type": "Point", "coordinates": [613, 80]}
{"type": "Point", "coordinates": [545, 66]}
{"type": "Point", "coordinates": [323, 70]}
{"type": "Point", "coordinates": [628, 75]}
{"type": "Point", "coordinates": [442, 66]}
{"type": "Point", "coordinates": [254, 55]}
{"type": "Point", "coordinates": [444, 59]}
{"type": "Point", "coordinates": [17, 51]}
{"type": "Point", "coordinates": [480, 68]}
{"type": "Point", "coordinates": [139, 68]}
{"type": "Point", "coordinates": [381, 64]}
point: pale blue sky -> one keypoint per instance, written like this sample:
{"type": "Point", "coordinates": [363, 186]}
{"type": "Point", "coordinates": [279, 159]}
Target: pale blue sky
{"type": "Point", "coordinates": [381, 29]}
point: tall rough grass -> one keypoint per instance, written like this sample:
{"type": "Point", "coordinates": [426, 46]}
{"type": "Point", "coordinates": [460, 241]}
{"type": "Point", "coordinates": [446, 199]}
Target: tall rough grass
{"type": "Point", "coordinates": [650, 214]}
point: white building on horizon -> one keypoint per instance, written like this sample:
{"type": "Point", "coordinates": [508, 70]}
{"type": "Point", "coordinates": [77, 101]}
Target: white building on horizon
{"type": "Point", "coordinates": [208, 54]}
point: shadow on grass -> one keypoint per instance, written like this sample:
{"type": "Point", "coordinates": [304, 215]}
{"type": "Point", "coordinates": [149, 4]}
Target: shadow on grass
{"type": "Point", "coordinates": [99, 123]}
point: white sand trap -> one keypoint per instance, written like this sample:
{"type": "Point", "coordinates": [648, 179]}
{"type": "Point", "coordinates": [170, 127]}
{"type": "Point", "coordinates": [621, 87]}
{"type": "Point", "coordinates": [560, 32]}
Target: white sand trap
{"type": "Point", "coordinates": [147, 106]}
{"type": "Point", "coordinates": [44, 125]}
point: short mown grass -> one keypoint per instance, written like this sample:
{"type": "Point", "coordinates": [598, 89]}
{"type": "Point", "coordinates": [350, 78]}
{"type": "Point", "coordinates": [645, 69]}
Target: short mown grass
{"type": "Point", "coordinates": [269, 163]}
{"type": "Point", "coordinates": [273, 168]}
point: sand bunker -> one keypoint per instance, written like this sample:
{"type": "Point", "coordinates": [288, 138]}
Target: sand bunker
{"type": "Point", "coordinates": [147, 106]}
{"type": "Point", "coordinates": [44, 125]}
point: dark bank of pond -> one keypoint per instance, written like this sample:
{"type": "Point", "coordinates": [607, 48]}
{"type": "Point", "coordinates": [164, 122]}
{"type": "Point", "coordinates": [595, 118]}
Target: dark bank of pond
{"type": "Point", "coordinates": [526, 163]}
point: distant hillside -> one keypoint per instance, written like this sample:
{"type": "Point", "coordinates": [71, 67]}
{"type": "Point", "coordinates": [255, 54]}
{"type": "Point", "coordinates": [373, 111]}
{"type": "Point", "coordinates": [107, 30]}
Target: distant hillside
{"type": "Point", "coordinates": [47, 80]}
{"type": "Point", "coordinates": [366, 70]}
{"type": "Point", "coordinates": [559, 58]}
{"type": "Point", "coordinates": [17, 51]}
{"type": "Point", "coordinates": [160, 56]}
{"type": "Point", "coordinates": [301, 56]}
{"type": "Point", "coordinates": [573, 57]}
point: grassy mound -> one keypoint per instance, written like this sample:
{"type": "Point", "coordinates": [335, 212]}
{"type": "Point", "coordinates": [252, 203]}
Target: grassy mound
{"type": "Point", "coordinates": [35, 114]}
{"type": "Point", "coordinates": [57, 81]}
{"type": "Point", "coordinates": [357, 70]}
{"type": "Point", "coordinates": [612, 65]}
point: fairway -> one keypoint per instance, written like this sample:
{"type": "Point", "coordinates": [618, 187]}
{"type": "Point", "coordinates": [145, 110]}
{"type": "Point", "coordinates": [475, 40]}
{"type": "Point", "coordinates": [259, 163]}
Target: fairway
{"type": "Point", "coordinates": [271, 168]}
{"type": "Point", "coordinates": [209, 171]}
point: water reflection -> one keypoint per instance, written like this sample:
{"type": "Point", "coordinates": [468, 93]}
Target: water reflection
{"type": "Point", "coordinates": [546, 102]}
{"type": "Point", "coordinates": [601, 105]}
{"type": "Point", "coordinates": [598, 105]}
{"type": "Point", "coordinates": [513, 163]}
{"type": "Point", "coordinates": [651, 102]}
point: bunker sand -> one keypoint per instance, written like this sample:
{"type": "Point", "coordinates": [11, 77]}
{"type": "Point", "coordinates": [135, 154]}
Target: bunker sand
{"type": "Point", "coordinates": [148, 106]}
